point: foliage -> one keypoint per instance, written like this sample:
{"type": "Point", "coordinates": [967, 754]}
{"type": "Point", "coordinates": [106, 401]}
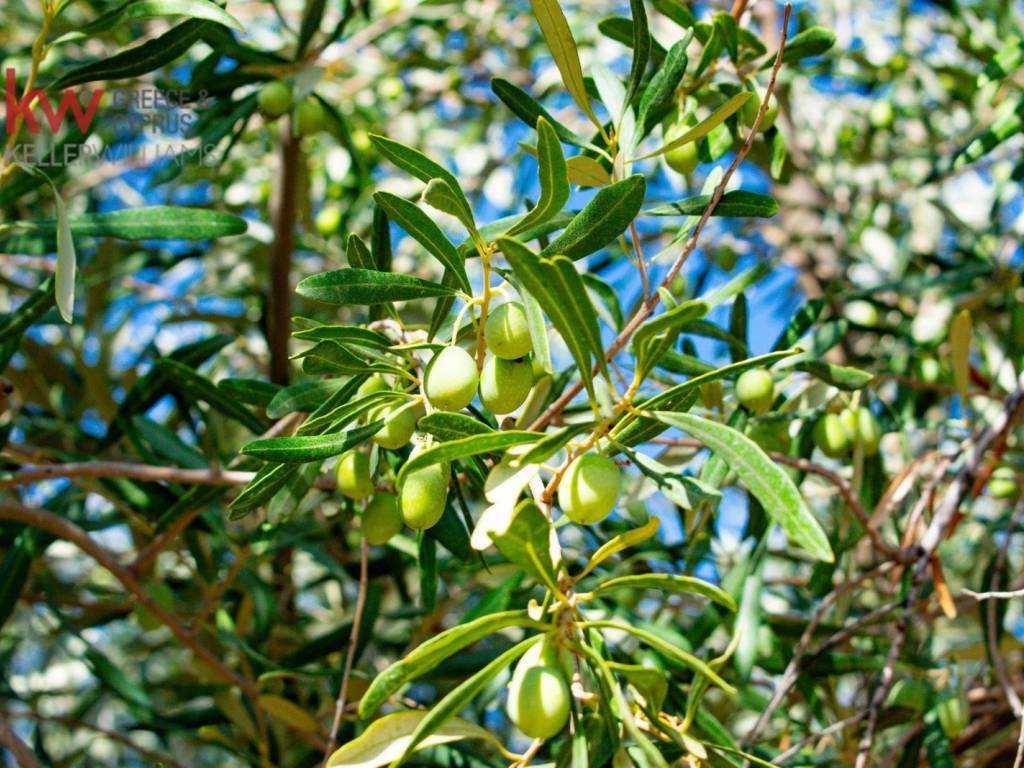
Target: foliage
{"type": "Point", "coordinates": [683, 340]}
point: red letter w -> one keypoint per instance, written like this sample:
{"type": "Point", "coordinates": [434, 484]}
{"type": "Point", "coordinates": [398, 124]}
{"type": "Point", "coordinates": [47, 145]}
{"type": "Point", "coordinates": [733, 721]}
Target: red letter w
{"type": "Point", "coordinates": [68, 100]}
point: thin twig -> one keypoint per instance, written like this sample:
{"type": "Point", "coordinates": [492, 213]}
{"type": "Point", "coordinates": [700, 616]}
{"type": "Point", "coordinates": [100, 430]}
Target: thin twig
{"type": "Point", "coordinates": [353, 641]}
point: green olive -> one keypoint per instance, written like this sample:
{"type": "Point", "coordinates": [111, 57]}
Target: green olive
{"type": "Point", "coordinates": [538, 701]}
{"type": "Point", "coordinates": [328, 220]}
{"type": "Point", "coordinates": [861, 424]}
{"type": "Point", "coordinates": [505, 384]}
{"type": "Point", "coordinates": [750, 108]}
{"type": "Point", "coordinates": [274, 99]}
{"type": "Point", "coordinates": [590, 488]}
{"type": "Point", "coordinates": [929, 370]}
{"type": "Point", "coordinates": [382, 518]}
{"type": "Point", "coordinates": [373, 384]}
{"type": "Point", "coordinates": [353, 473]}
{"type": "Point", "coordinates": [682, 159]}
{"type": "Point", "coordinates": [422, 496]}
{"type": "Point", "coordinates": [451, 379]}
{"type": "Point", "coordinates": [880, 115]}
{"type": "Point", "coordinates": [831, 437]}
{"type": "Point", "coordinates": [1003, 484]}
{"type": "Point", "coordinates": [861, 312]}
{"type": "Point", "coordinates": [954, 713]}
{"type": "Point", "coordinates": [507, 332]}
{"type": "Point", "coordinates": [310, 118]}
{"type": "Point", "coordinates": [399, 424]}
{"type": "Point", "coordinates": [755, 390]}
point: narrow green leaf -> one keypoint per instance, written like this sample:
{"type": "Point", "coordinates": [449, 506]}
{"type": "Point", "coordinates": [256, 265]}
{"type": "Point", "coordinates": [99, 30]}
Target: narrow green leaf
{"type": "Point", "coordinates": [300, 449]}
{"type": "Point", "coordinates": [602, 220]}
{"type": "Point", "coordinates": [526, 541]}
{"type": "Point", "coordinates": [363, 286]}
{"type": "Point", "coordinates": [158, 222]}
{"type": "Point", "coordinates": [451, 426]}
{"type": "Point", "coordinates": [529, 110]}
{"type": "Point", "coordinates": [137, 10]}
{"type": "Point", "coordinates": [385, 740]}
{"type": "Point", "coordinates": [419, 165]}
{"type": "Point", "coordinates": [658, 99]}
{"type": "Point", "coordinates": [195, 386]}
{"type": "Point", "coordinates": [668, 582]}
{"type": "Point", "coordinates": [560, 41]}
{"type": "Point", "coordinates": [312, 15]}
{"type": "Point", "coordinates": [554, 179]}
{"type": "Point", "coordinates": [587, 172]}
{"type": "Point", "coordinates": [249, 391]}
{"type": "Point", "coordinates": [668, 650]}
{"type": "Point", "coordinates": [737, 202]}
{"type": "Point", "coordinates": [414, 221]}
{"type": "Point", "coordinates": [552, 443]}
{"type": "Point", "coordinates": [139, 60]}
{"type": "Point", "coordinates": [439, 194]}
{"type": "Point", "coordinates": [464, 447]}
{"type": "Point", "coordinates": [811, 42]}
{"type": "Point", "coordinates": [763, 478]}
{"type": "Point", "coordinates": [841, 376]}
{"type": "Point", "coordinates": [641, 49]}
{"type": "Point", "coordinates": [705, 127]}
{"type": "Point", "coordinates": [428, 655]}
{"type": "Point", "coordinates": [617, 544]}
{"type": "Point", "coordinates": [304, 396]}
{"type": "Point", "coordinates": [64, 285]}
{"type": "Point", "coordinates": [460, 697]}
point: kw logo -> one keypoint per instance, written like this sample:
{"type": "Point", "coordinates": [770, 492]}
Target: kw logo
{"type": "Point", "coordinates": [21, 110]}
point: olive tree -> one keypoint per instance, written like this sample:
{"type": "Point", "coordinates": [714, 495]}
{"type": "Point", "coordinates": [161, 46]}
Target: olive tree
{"type": "Point", "coordinates": [524, 383]}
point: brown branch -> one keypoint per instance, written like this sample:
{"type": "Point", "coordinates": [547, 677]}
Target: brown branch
{"type": "Point", "coordinates": [280, 292]}
{"type": "Point", "coordinates": [64, 529]}
{"type": "Point", "coordinates": [651, 302]}
{"type": "Point", "coordinates": [35, 473]}
{"type": "Point", "coordinates": [353, 641]}
{"type": "Point", "coordinates": [22, 753]}
{"type": "Point", "coordinates": [157, 758]}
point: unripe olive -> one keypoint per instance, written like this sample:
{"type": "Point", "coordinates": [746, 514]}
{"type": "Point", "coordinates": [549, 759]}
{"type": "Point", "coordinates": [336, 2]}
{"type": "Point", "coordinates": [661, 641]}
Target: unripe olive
{"type": "Point", "coordinates": [274, 99]}
{"type": "Point", "coordinates": [538, 701]}
{"type": "Point", "coordinates": [589, 488]}
{"type": "Point", "coordinates": [830, 436]}
{"type": "Point", "coordinates": [310, 118]}
{"type": "Point", "coordinates": [880, 114]}
{"type": "Point", "coordinates": [750, 108]}
{"type": "Point", "coordinates": [1003, 484]}
{"type": "Point", "coordinates": [861, 312]}
{"type": "Point", "coordinates": [328, 220]}
{"type": "Point", "coordinates": [353, 473]}
{"type": "Point", "coordinates": [507, 332]}
{"type": "Point", "coordinates": [505, 384]}
{"type": "Point", "coordinates": [399, 424]}
{"type": "Point", "coordinates": [422, 496]}
{"type": "Point", "coordinates": [373, 384]}
{"type": "Point", "coordinates": [929, 370]}
{"type": "Point", "coordinates": [450, 380]}
{"type": "Point", "coordinates": [755, 390]}
{"type": "Point", "coordinates": [861, 424]}
{"type": "Point", "coordinates": [954, 712]}
{"type": "Point", "coordinates": [683, 159]}
{"type": "Point", "coordinates": [381, 519]}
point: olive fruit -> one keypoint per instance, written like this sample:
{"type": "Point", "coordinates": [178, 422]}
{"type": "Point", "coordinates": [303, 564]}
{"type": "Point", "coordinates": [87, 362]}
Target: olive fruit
{"type": "Point", "coordinates": [450, 380]}
{"type": "Point", "coordinates": [682, 159]}
{"type": "Point", "coordinates": [861, 312]}
{"type": "Point", "coordinates": [381, 519]}
{"type": "Point", "coordinates": [861, 424]}
{"type": "Point", "coordinates": [954, 712]}
{"type": "Point", "coordinates": [880, 114]}
{"type": "Point", "coordinates": [328, 220]}
{"type": "Point", "coordinates": [399, 424]}
{"type": "Point", "coordinates": [505, 384]}
{"type": "Point", "coordinates": [1003, 484]}
{"type": "Point", "coordinates": [589, 488]}
{"type": "Point", "coordinates": [830, 436]}
{"type": "Point", "coordinates": [309, 118]}
{"type": "Point", "coordinates": [373, 384]}
{"type": "Point", "coordinates": [507, 333]}
{"type": "Point", "coordinates": [755, 390]}
{"type": "Point", "coordinates": [274, 99]}
{"type": "Point", "coordinates": [353, 473]}
{"type": "Point", "coordinates": [929, 370]}
{"type": "Point", "coordinates": [538, 698]}
{"type": "Point", "coordinates": [750, 108]}
{"type": "Point", "coordinates": [422, 496]}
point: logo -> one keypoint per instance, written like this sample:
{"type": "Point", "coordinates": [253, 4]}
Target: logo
{"type": "Point", "coordinates": [22, 110]}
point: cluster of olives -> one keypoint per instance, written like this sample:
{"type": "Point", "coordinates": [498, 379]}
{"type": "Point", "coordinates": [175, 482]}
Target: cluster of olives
{"type": "Point", "coordinates": [538, 694]}
{"type": "Point", "coordinates": [837, 433]}
{"type": "Point", "coordinates": [589, 488]}
{"type": "Point", "coordinates": [275, 99]}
